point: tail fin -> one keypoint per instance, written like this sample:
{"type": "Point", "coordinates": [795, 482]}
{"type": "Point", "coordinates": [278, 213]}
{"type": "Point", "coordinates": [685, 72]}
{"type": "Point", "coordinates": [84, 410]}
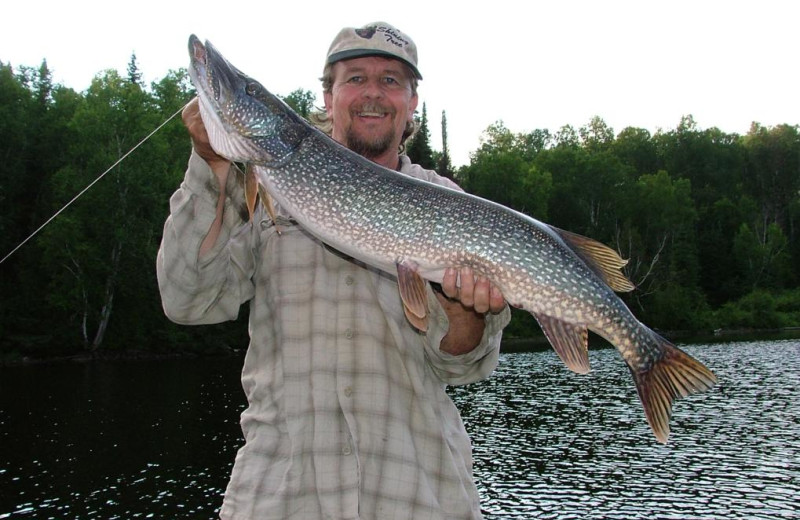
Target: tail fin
{"type": "Point", "coordinates": [675, 374]}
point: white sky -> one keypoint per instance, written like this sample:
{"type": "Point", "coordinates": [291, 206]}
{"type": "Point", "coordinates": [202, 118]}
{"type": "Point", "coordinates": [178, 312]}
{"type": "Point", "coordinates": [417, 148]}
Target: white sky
{"type": "Point", "coordinates": [530, 64]}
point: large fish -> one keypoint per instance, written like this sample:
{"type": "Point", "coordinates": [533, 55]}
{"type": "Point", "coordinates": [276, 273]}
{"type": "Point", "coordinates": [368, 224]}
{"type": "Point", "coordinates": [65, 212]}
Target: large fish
{"type": "Point", "coordinates": [417, 229]}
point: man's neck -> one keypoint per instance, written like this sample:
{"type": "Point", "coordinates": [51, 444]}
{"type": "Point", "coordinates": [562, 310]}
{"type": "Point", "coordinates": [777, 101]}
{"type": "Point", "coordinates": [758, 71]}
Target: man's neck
{"type": "Point", "coordinates": [389, 160]}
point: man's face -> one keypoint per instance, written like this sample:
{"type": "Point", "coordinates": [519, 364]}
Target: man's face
{"type": "Point", "coordinates": [370, 103]}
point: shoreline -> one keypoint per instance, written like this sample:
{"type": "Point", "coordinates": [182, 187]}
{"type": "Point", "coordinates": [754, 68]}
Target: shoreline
{"type": "Point", "coordinates": [510, 345]}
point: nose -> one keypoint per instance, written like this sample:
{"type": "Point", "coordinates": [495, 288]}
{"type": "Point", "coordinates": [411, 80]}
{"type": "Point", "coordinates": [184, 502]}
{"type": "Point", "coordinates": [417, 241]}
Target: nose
{"type": "Point", "coordinates": [372, 89]}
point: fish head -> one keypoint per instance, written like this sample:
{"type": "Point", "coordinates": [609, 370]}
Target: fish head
{"type": "Point", "coordinates": [244, 121]}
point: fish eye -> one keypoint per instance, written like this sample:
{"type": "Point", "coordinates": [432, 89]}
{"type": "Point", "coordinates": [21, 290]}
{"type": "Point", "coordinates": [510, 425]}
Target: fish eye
{"type": "Point", "coordinates": [252, 88]}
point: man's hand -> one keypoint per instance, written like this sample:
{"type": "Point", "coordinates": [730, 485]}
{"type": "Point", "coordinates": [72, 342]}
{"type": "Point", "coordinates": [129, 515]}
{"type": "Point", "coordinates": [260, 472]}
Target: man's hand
{"type": "Point", "coordinates": [465, 300]}
{"type": "Point", "coordinates": [473, 292]}
{"type": "Point", "coordinates": [218, 164]}
{"type": "Point", "coordinates": [202, 144]}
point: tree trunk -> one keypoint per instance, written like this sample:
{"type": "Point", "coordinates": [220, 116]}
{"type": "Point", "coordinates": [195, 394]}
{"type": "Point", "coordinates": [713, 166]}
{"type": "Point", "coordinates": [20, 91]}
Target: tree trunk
{"type": "Point", "coordinates": [108, 300]}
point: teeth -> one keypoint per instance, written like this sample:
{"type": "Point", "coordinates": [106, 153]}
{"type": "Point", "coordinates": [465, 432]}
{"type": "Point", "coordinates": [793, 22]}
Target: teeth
{"type": "Point", "coordinates": [370, 114]}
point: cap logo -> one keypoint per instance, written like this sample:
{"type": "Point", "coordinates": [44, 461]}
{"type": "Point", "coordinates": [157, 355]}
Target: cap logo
{"type": "Point", "coordinates": [366, 32]}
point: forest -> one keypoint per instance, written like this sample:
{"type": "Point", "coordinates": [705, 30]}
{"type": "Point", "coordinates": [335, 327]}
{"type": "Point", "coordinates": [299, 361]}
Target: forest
{"type": "Point", "coordinates": [707, 219]}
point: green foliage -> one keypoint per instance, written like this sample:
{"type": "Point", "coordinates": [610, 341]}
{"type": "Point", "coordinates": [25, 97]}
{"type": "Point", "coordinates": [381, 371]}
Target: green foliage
{"type": "Point", "coordinates": [89, 274]}
{"type": "Point", "coordinates": [301, 101]}
{"type": "Point", "coordinates": [676, 307]}
{"type": "Point", "coordinates": [709, 220]}
{"type": "Point", "coordinates": [444, 166]}
{"type": "Point", "coordinates": [503, 170]}
{"type": "Point", "coordinates": [761, 309]}
{"type": "Point", "coordinates": [763, 261]}
{"type": "Point", "coordinates": [677, 204]}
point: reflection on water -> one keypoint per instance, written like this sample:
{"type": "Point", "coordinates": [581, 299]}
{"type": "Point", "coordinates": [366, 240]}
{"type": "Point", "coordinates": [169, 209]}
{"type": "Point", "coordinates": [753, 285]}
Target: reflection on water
{"type": "Point", "coordinates": [553, 445]}
{"type": "Point", "coordinates": [118, 440]}
{"type": "Point", "coordinates": [157, 439]}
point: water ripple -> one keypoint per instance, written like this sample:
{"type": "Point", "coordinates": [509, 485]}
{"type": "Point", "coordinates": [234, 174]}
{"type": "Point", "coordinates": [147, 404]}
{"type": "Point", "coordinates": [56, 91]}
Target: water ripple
{"type": "Point", "coordinates": [157, 439]}
{"type": "Point", "coordinates": [550, 444]}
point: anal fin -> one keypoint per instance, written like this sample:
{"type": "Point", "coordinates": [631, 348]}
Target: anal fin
{"type": "Point", "coordinates": [571, 342]}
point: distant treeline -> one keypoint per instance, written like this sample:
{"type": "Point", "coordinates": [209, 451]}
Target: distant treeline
{"type": "Point", "coordinates": [708, 219]}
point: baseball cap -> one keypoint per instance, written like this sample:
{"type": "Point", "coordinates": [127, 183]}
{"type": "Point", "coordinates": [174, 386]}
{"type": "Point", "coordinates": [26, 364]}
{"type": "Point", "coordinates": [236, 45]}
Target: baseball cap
{"type": "Point", "coordinates": [374, 39]}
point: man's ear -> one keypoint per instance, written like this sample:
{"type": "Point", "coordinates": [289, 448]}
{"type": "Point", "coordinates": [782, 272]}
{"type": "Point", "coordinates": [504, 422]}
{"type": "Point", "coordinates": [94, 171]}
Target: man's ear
{"type": "Point", "coordinates": [412, 106]}
{"type": "Point", "coordinates": [328, 98]}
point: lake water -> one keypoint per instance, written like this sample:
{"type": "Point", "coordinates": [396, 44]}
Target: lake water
{"type": "Point", "coordinates": [156, 439]}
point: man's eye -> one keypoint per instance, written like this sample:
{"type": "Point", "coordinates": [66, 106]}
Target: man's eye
{"type": "Point", "coordinates": [356, 79]}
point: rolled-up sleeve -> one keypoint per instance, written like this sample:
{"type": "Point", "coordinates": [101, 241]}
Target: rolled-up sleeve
{"type": "Point", "coordinates": [473, 366]}
{"type": "Point", "coordinates": [210, 289]}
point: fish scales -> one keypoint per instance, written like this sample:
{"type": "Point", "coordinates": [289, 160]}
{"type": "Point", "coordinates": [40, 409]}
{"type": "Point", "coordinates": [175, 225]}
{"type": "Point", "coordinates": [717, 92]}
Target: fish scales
{"type": "Point", "coordinates": [405, 225]}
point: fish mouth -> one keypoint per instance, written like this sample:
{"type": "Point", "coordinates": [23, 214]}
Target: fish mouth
{"type": "Point", "coordinates": [217, 77]}
{"type": "Point", "coordinates": [221, 86]}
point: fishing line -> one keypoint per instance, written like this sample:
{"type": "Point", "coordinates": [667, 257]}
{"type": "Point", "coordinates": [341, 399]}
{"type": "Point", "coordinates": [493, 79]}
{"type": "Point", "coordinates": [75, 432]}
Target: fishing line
{"type": "Point", "coordinates": [76, 197]}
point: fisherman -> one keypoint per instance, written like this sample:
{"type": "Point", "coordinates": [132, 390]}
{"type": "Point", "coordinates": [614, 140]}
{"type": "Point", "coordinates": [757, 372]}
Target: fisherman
{"type": "Point", "coordinates": [347, 413]}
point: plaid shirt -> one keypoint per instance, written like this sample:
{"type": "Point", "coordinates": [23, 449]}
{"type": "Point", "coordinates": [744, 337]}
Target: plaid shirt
{"type": "Point", "coordinates": [348, 416]}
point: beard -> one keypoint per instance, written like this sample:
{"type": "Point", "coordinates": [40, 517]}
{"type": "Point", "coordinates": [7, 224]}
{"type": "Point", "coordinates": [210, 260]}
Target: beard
{"type": "Point", "coordinates": [374, 145]}
{"type": "Point", "coordinates": [371, 146]}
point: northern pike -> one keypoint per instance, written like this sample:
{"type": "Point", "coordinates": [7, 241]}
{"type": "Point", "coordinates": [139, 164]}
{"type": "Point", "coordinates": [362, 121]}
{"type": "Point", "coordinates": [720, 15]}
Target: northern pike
{"type": "Point", "coordinates": [416, 230]}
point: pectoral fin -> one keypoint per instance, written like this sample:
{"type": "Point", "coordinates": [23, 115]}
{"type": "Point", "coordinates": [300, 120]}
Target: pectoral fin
{"type": "Point", "coordinates": [253, 191]}
{"type": "Point", "coordinates": [267, 201]}
{"type": "Point", "coordinates": [250, 190]}
{"type": "Point", "coordinates": [413, 295]}
{"type": "Point", "coordinates": [571, 342]}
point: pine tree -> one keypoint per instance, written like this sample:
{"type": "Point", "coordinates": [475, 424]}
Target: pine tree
{"type": "Point", "coordinates": [134, 75]}
{"type": "Point", "coordinates": [444, 167]}
{"type": "Point", "coordinates": [419, 149]}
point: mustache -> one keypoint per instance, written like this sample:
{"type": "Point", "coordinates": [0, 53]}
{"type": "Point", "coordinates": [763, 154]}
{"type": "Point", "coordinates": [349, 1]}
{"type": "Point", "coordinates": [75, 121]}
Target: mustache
{"type": "Point", "coordinates": [375, 108]}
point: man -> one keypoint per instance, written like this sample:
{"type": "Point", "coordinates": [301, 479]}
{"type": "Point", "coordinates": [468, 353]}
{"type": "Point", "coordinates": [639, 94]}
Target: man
{"type": "Point", "coordinates": [347, 414]}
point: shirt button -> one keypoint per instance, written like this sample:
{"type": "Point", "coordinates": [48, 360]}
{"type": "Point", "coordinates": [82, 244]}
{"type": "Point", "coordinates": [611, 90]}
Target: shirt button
{"type": "Point", "coordinates": [348, 391]}
{"type": "Point", "coordinates": [348, 334]}
{"type": "Point", "coordinates": [348, 280]}
{"type": "Point", "coordinates": [347, 450]}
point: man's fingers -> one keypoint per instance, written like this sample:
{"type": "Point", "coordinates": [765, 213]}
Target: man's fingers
{"type": "Point", "coordinates": [466, 292]}
{"type": "Point", "coordinates": [450, 283]}
{"type": "Point", "coordinates": [496, 300]}
{"type": "Point", "coordinates": [476, 293]}
{"type": "Point", "coordinates": [481, 295]}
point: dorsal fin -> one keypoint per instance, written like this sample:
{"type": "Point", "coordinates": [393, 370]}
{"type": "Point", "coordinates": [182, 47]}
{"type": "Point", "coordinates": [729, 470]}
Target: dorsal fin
{"type": "Point", "coordinates": [600, 258]}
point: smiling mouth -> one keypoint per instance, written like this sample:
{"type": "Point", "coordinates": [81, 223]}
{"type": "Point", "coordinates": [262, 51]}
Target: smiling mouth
{"type": "Point", "coordinates": [371, 114]}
